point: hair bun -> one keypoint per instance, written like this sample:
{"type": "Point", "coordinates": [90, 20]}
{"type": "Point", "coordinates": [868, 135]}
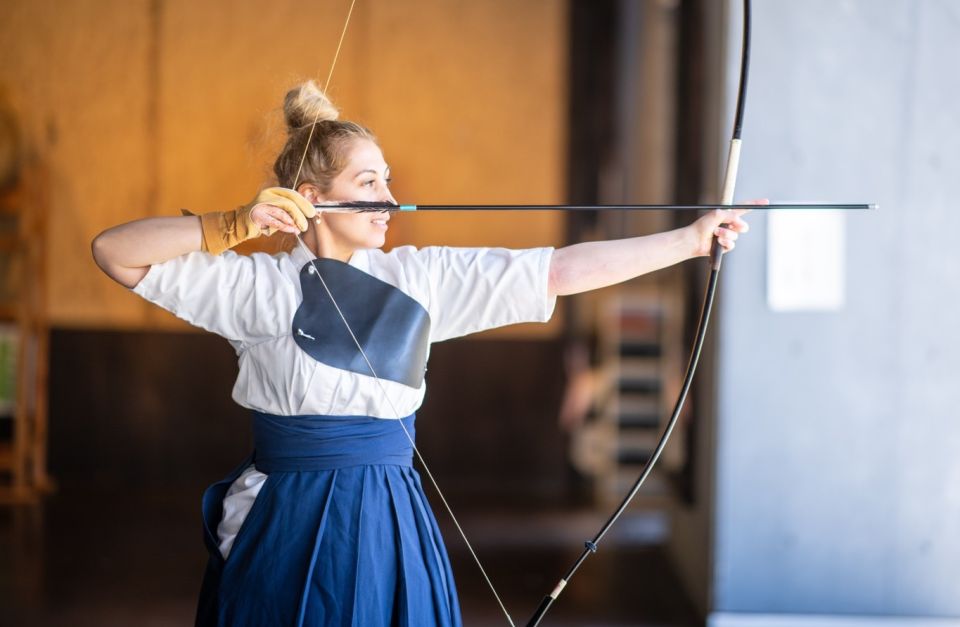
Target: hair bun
{"type": "Point", "coordinates": [305, 104]}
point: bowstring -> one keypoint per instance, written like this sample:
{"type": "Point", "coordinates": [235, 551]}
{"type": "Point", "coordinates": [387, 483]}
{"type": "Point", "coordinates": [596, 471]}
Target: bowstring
{"type": "Point", "coordinates": [363, 353]}
{"type": "Point", "coordinates": [406, 432]}
{"type": "Point", "coordinates": [326, 85]}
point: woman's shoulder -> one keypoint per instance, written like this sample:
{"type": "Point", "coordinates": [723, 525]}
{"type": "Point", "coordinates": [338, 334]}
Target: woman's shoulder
{"type": "Point", "coordinates": [409, 254]}
{"type": "Point", "coordinates": [446, 255]}
{"type": "Point", "coordinates": [229, 266]}
{"type": "Point", "coordinates": [398, 265]}
{"type": "Point", "coordinates": [396, 255]}
{"type": "Point", "coordinates": [286, 263]}
{"type": "Point", "coordinates": [413, 261]}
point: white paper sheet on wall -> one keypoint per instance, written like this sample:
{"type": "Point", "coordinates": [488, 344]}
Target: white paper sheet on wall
{"type": "Point", "coordinates": [805, 260]}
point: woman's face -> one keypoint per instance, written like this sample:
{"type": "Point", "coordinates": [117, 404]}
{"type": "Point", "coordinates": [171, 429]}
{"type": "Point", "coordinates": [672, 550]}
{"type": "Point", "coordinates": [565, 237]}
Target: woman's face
{"type": "Point", "coordinates": [365, 178]}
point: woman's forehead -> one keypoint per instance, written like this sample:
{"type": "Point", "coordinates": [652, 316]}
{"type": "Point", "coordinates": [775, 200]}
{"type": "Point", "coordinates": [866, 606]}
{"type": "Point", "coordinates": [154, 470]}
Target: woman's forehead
{"type": "Point", "coordinates": [366, 155]}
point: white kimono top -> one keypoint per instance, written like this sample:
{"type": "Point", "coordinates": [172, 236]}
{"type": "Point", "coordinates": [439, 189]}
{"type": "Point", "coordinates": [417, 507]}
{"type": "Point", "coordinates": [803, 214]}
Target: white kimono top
{"type": "Point", "coordinates": [251, 301]}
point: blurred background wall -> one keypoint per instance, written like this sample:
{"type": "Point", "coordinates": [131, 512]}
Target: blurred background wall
{"type": "Point", "coordinates": [141, 108]}
{"type": "Point", "coordinates": [132, 109]}
{"type": "Point", "coordinates": [837, 427]}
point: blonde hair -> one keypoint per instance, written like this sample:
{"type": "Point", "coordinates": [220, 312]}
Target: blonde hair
{"type": "Point", "coordinates": [326, 156]}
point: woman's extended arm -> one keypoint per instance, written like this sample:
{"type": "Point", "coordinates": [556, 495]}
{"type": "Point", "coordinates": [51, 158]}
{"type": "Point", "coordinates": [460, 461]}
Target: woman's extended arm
{"type": "Point", "coordinates": [126, 252]}
{"type": "Point", "coordinates": [592, 265]}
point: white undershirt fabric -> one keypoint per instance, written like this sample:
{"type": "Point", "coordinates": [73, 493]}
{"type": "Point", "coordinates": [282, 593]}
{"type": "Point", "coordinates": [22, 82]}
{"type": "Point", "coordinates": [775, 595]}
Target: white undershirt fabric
{"type": "Point", "coordinates": [251, 300]}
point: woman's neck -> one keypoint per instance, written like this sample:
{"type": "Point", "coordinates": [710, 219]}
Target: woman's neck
{"type": "Point", "coordinates": [322, 244]}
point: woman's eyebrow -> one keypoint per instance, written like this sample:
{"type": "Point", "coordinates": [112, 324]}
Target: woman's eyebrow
{"type": "Point", "coordinates": [371, 171]}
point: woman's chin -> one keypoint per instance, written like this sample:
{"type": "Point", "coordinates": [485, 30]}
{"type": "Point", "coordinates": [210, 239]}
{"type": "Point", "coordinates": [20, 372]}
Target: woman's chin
{"type": "Point", "coordinates": [376, 241]}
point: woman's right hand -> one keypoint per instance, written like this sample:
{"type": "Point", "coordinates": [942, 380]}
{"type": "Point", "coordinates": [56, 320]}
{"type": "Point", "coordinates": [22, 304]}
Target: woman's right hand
{"type": "Point", "coordinates": [274, 209]}
{"type": "Point", "coordinates": [279, 209]}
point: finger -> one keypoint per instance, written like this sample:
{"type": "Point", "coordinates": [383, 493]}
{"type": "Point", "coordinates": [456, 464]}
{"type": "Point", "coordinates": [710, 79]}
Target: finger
{"type": "Point", "coordinates": [285, 227]}
{"type": "Point", "coordinates": [304, 205]}
{"type": "Point", "coordinates": [295, 205]}
{"type": "Point", "coordinates": [728, 216]}
{"type": "Point", "coordinates": [279, 214]}
{"type": "Point", "coordinates": [293, 211]}
{"type": "Point", "coordinates": [271, 225]}
{"type": "Point", "coordinates": [270, 218]}
{"type": "Point", "coordinates": [726, 239]}
{"type": "Point", "coordinates": [756, 201]}
{"type": "Point", "coordinates": [726, 234]}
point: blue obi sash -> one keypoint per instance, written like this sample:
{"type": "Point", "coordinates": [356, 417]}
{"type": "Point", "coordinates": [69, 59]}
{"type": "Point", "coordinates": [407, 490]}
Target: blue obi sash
{"type": "Point", "coordinates": [340, 534]}
{"type": "Point", "coordinates": [310, 443]}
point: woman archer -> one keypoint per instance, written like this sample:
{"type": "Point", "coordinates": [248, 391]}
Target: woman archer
{"type": "Point", "coordinates": [327, 523]}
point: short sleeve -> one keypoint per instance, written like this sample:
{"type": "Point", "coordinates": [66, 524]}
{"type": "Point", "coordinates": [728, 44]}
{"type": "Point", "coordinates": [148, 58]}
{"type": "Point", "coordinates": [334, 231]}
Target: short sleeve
{"type": "Point", "coordinates": [475, 289]}
{"type": "Point", "coordinates": [243, 298]}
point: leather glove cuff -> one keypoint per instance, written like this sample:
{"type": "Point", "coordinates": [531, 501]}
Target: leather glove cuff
{"type": "Point", "coordinates": [222, 230]}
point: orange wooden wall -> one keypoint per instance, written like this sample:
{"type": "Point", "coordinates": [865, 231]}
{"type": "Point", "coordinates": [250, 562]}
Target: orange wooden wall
{"type": "Point", "coordinates": [138, 108]}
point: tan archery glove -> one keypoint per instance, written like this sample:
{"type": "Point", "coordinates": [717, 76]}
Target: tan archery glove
{"type": "Point", "coordinates": [274, 209]}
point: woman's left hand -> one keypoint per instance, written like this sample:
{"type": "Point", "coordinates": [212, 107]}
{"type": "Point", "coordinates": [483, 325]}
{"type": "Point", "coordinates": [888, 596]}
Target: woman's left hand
{"type": "Point", "coordinates": [725, 224]}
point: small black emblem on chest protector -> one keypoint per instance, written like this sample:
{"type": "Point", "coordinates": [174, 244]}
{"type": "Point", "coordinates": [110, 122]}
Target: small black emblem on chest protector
{"type": "Point", "coordinates": [392, 327]}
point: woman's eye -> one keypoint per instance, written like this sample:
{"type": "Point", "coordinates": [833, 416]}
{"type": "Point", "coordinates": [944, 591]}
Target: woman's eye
{"type": "Point", "coordinates": [368, 183]}
{"type": "Point", "coordinates": [389, 181]}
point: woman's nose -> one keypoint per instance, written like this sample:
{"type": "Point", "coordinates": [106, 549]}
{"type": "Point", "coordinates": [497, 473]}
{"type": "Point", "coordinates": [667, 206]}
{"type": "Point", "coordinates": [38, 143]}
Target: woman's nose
{"type": "Point", "coordinates": [386, 196]}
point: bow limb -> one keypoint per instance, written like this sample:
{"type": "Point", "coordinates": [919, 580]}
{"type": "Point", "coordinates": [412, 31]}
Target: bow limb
{"type": "Point", "coordinates": [733, 154]}
{"type": "Point", "coordinates": [729, 184]}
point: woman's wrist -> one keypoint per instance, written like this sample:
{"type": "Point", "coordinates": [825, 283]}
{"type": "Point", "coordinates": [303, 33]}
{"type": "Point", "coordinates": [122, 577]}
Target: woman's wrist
{"type": "Point", "coordinates": [692, 241]}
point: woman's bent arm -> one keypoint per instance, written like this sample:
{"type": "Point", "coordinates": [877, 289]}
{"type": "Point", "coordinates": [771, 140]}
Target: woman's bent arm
{"type": "Point", "coordinates": [126, 252]}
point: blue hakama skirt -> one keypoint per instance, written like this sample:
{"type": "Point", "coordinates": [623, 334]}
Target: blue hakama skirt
{"type": "Point", "coordinates": [340, 534]}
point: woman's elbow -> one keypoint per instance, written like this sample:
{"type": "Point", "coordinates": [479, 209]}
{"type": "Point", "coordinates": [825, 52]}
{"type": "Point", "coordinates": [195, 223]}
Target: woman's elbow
{"type": "Point", "coordinates": [105, 256]}
{"type": "Point", "coordinates": [100, 248]}
{"type": "Point", "coordinates": [557, 277]}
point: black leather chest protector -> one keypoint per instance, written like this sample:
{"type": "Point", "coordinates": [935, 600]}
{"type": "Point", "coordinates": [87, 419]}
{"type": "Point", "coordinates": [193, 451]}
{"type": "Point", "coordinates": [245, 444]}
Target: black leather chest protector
{"type": "Point", "coordinates": [392, 327]}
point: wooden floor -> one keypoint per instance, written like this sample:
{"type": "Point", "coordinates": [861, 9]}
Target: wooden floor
{"type": "Point", "coordinates": [109, 558]}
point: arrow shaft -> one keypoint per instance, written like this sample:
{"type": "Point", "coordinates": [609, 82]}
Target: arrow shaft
{"type": "Point", "coordinates": [379, 206]}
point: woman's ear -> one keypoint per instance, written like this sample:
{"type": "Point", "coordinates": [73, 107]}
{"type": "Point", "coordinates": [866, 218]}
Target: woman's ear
{"type": "Point", "coordinates": [311, 192]}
